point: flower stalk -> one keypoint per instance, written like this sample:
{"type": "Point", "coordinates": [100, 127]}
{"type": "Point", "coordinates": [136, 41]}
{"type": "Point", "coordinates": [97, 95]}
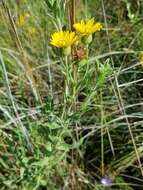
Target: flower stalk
{"type": "Point", "coordinates": [73, 13]}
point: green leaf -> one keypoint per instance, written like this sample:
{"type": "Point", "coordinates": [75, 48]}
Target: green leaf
{"type": "Point", "coordinates": [8, 183]}
{"type": "Point", "coordinates": [22, 170]}
{"type": "Point", "coordinates": [54, 126]}
{"type": "Point", "coordinates": [61, 145]}
{"type": "Point", "coordinates": [104, 71]}
{"type": "Point", "coordinates": [50, 3]}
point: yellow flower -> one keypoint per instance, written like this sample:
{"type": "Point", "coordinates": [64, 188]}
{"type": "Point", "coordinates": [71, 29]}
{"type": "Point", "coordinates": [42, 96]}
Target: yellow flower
{"type": "Point", "coordinates": [32, 30]}
{"type": "Point", "coordinates": [87, 28]}
{"type": "Point", "coordinates": [141, 56]}
{"type": "Point", "coordinates": [22, 19]}
{"type": "Point", "coordinates": [63, 39]}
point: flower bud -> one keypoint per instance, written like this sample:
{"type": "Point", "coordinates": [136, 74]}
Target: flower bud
{"type": "Point", "coordinates": [67, 51]}
{"type": "Point", "coordinates": [87, 39]}
{"type": "Point", "coordinates": [82, 61]}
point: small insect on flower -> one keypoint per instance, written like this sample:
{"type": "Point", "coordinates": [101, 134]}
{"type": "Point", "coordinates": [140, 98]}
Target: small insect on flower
{"type": "Point", "coordinates": [106, 181]}
{"type": "Point", "coordinates": [63, 39]}
{"type": "Point", "coordinates": [87, 28]}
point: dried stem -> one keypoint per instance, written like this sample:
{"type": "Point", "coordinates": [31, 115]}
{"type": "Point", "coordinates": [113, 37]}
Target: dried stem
{"type": "Point", "coordinates": [73, 13]}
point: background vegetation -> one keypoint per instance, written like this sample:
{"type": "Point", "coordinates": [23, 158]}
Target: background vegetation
{"type": "Point", "coordinates": [51, 139]}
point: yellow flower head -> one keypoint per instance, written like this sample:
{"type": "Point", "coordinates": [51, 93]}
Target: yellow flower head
{"type": "Point", "coordinates": [32, 30]}
{"type": "Point", "coordinates": [141, 56]}
{"type": "Point", "coordinates": [63, 39]}
{"type": "Point", "coordinates": [22, 19]}
{"type": "Point", "coordinates": [87, 28]}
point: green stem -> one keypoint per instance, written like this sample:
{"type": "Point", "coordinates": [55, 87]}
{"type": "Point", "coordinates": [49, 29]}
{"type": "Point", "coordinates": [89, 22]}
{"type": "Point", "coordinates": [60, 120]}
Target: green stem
{"type": "Point", "coordinates": [87, 51]}
{"type": "Point", "coordinates": [102, 135]}
{"type": "Point", "coordinates": [66, 87]}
